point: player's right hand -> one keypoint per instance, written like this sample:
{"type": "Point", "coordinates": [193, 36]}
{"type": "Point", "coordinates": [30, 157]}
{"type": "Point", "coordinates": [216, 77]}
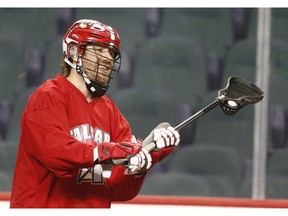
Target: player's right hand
{"type": "Point", "coordinates": [109, 151]}
{"type": "Point", "coordinates": [131, 155]}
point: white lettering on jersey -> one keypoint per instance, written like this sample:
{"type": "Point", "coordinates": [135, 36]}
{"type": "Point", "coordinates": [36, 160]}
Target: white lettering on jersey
{"type": "Point", "coordinates": [98, 136]}
{"type": "Point", "coordinates": [106, 137]}
{"type": "Point", "coordinates": [85, 132]}
{"type": "Point", "coordinates": [77, 133]}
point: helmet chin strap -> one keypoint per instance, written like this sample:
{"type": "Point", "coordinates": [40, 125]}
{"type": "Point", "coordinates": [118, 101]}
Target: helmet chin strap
{"type": "Point", "coordinates": [95, 89]}
{"type": "Point", "coordinates": [70, 63]}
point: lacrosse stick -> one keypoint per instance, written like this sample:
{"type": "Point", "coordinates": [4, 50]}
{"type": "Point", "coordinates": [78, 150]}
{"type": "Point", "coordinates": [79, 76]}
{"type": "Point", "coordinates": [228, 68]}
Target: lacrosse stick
{"type": "Point", "coordinates": [237, 94]}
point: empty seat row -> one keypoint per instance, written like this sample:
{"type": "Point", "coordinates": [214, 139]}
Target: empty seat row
{"type": "Point", "coordinates": [177, 184]}
{"type": "Point", "coordinates": [180, 184]}
{"type": "Point", "coordinates": [206, 170]}
{"type": "Point", "coordinates": [20, 24]}
{"type": "Point", "coordinates": [211, 170]}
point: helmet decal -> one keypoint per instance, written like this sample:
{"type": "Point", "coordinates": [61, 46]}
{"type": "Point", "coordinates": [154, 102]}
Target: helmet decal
{"type": "Point", "coordinates": [86, 30]}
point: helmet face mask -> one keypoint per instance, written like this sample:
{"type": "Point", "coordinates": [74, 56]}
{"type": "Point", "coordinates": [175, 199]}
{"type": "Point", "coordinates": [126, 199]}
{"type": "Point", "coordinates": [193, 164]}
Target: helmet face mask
{"type": "Point", "coordinates": [97, 62]}
{"type": "Point", "coordinates": [96, 48]}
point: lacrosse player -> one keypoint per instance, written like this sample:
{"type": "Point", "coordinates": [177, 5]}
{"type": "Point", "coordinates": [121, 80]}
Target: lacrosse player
{"type": "Point", "coordinates": [73, 135]}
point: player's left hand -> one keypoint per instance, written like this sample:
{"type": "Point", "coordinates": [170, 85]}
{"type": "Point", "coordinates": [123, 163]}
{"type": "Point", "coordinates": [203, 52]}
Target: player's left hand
{"type": "Point", "coordinates": [164, 135]}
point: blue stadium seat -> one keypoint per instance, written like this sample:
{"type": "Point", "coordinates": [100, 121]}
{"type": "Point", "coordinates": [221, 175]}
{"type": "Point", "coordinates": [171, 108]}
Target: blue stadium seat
{"type": "Point", "coordinates": [174, 64]}
{"type": "Point", "coordinates": [210, 26]}
{"type": "Point", "coordinates": [5, 181]}
{"type": "Point", "coordinates": [177, 184]}
{"type": "Point", "coordinates": [15, 124]}
{"type": "Point", "coordinates": [12, 69]}
{"type": "Point", "coordinates": [53, 58]}
{"type": "Point", "coordinates": [220, 165]}
{"type": "Point", "coordinates": [33, 26]}
{"type": "Point", "coordinates": [276, 188]}
{"type": "Point", "coordinates": [276, 164]}
{"type": "Point", "coordinates": [8, 154]}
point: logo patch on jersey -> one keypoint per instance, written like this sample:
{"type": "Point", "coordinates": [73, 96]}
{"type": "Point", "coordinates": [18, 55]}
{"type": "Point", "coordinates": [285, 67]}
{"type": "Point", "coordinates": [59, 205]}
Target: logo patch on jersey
{"type": "Point", "coordinates": [105, 150]}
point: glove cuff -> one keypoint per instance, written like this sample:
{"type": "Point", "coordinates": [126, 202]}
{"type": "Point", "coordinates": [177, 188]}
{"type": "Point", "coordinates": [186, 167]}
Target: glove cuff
{"type": "Point", "coordinates": [95, 156]}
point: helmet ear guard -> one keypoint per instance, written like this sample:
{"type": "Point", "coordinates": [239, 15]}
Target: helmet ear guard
{"type": "Point", "coordinates": [70, 54]}
{"type": "Point", "coordinates": [72, 51]}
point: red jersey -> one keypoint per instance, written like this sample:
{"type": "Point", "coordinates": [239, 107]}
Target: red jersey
{"type": "Point", "coordinates": [60, 130]}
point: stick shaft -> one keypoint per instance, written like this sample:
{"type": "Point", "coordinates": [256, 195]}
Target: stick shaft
{"type": "Point", "coordinates": [189, 120]}
{"type": "Point", "coordinates": [197, 115]}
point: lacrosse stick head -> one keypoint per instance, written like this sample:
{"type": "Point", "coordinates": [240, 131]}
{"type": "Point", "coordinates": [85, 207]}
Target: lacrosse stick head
{"type": "Point", "coordinates": [237, 94]}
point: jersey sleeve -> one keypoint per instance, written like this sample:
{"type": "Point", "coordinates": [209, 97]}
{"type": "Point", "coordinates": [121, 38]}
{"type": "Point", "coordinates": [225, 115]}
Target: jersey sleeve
{"type": "Point", "coordinates": [124, 187]}
{"type": "Point", "coordinates": [158, 156]}
{"type": "Point", "coordinates": [46, 131]}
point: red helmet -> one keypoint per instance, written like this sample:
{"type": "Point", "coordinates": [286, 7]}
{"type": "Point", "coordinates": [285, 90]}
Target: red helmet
{"type": "Point", "coordinates": [90, 31]}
